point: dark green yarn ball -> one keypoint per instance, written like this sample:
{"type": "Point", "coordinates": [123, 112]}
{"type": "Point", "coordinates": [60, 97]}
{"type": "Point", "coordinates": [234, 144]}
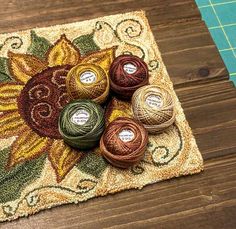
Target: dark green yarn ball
{"type": "Point", "coordinates": [81, 124]}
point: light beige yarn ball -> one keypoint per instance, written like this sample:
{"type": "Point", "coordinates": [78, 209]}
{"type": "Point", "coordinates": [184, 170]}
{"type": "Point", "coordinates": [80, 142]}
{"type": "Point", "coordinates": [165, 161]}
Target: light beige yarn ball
{"type": "Point", "coordinates": [154, 107]}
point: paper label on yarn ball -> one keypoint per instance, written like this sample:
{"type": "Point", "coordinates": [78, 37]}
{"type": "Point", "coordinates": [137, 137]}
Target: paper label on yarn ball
{"type": "Point", "coordinates": [80, 117]}
{"type": "Point", "coordinates": [126, 135]}
{"type": "Point", "coordinates": [154, 101]}
{"type": "Point", "coordinates": [130, 68]}
{"type": "Point", "coordinates": [88, 77]}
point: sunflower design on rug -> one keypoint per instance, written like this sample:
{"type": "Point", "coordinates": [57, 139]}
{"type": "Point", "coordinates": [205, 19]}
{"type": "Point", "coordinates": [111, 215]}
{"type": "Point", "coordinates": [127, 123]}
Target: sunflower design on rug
{"type": "Point", "coordinates": [37, 169]}
{"type": "Point", "coordinates": [31, 102]}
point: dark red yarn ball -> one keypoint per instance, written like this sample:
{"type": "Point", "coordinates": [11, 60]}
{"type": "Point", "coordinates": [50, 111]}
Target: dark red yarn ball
{"type": "Point", "coordinates": [123, 83]}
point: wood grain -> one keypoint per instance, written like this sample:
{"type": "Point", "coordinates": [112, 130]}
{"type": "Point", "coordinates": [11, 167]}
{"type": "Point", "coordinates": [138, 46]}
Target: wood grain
{"type": "Point", "coordinates": [207, 200]}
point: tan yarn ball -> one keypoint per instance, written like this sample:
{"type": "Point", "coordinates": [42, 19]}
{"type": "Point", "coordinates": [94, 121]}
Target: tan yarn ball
{"type": "Point", "coordinates": [154, 107]}
{"type": "Point", "coordinates": [88, 81]}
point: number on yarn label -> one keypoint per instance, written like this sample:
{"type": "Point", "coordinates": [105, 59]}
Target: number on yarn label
{"type": "Point", "coordinates": [154, 101]}
{"type": "Point", "coordinates": [130, 68]}
{"type": "Point", "coordinates": [126, 135]}
{"type": "Point", "coordinates": [88, 77]}
{"type": "Point", "coordinates": [80, 117]}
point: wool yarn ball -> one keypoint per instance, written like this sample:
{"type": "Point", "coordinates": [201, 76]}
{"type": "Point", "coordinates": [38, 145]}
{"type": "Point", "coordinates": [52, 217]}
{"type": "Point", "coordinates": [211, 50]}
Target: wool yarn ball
{"type": "Point", "coordinates": [81, 124]}
{"type": "Point", "coordinates": [127, 73]}
{"type": "Point", "coordinates": [124, 142]}
{"type": "Point", "coordinates": [154, 107]}
{"type": "Point", "coordinates": [88, 81]}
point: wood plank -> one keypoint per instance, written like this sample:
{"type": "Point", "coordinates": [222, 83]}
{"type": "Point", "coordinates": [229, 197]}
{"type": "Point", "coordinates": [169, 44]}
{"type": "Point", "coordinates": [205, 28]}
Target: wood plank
{"type": "Point", "coordinates": [201, 94]}
{"type": "Point", "coordinates": [31, 13]}
{"type": "Point", "coordinates": [191, 41]}
{"type": "Point", "coordinates": [190, 54]}
{"type": "Point", "coordinates": [211, 110]}
{"type": "Point", "coordinates": [206, 200]}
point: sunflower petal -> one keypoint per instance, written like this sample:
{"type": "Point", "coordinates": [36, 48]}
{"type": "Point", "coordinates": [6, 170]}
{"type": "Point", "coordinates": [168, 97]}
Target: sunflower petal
{"type": "Point", "coordinates": [103, 58]}
{"type": "Point", "coordinates": [27, 146]}
{"type": "Point", "coordinates": [11, 124]}
{"type": "Point", "coordinates": [117, 108]}
{"type": "Point", "coordinates": [8, 96]}
{"type": "Point", "coordinates": [63, 52]}
{"type": "Point", "coordinates": [63, 158]}
{"type": "Point", "coordinates": [24, 66]}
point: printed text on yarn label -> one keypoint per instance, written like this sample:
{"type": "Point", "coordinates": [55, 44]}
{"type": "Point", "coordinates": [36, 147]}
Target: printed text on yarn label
{"type": "Point", "coordinates": [126, 135]}
{"type": "Point", "coordinates": [80, 117]}
{"type": "Point", "coordinates": [88, 77]}
{"type": "Point", "coordinates": [154, 101]}
{"type": "Point", "coordinates": [130, 68]}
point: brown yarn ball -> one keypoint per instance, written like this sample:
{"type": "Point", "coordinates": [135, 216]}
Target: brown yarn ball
{"type": "Point", "coordinates": [154, 107]}
{"type": "Point", "coordinates": [127, 74]}
{"type": "Point", "coordinates": [124, 142]}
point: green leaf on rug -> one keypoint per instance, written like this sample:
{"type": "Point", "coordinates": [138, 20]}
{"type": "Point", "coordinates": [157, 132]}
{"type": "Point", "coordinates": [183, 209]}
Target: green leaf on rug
{"type": "Point", "coordinates": [92, 164]}
{"type": "Point", "coordinates": [137, 169]}
{"type": "Point", "coordinates": [4, 71]}
{"type": "Point", "coordinates": [14, 180]}
{"type": "Point", "coordinates": [85, 44]}
{"type": "Point", "coordinates": [39, 46]}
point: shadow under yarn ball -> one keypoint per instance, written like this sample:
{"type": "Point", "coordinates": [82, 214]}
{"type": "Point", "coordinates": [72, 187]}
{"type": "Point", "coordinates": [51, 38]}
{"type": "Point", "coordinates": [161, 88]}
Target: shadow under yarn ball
{"type": "Point", "coordinates": [81, 124]}
{"type": "Point", "coordinates": [88, 81]}
{"type": "Point", "coordinates": [124, 142]}
{"type": "Point", "coordinates": [154, 107]}
{"type": "Point", "coordinates": [127, 73]}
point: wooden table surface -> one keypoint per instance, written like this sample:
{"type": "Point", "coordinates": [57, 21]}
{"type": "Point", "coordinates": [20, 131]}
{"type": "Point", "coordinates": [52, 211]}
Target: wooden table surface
{"type": "Point", "coordinates": [207, 200]}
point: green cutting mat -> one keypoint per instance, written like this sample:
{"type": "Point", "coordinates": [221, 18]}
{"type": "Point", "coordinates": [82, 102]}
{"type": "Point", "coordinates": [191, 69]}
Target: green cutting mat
{"type": "Point", "coordinates": [220, 18]}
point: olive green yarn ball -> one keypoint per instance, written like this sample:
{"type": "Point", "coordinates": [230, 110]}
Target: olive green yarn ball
{"type": "Point", "coordinates": [81, 124]}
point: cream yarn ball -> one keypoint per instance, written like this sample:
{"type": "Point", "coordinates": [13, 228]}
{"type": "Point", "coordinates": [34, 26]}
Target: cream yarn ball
{"type": "Point", "coordinates": [153, 106]}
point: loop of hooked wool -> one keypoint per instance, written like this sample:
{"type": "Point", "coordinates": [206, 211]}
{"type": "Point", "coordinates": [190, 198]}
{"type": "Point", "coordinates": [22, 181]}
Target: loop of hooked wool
{"type": "Point", "coordinates": [119, 153]}
{"type": "Point", "coordinates": [96, 88]}
{"type": "Point", "coordinates": [82, 135]}
{"type": "Point", "coordinates": [161, 113]}
{"type": "Point", "coordinates": [125, 83]}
